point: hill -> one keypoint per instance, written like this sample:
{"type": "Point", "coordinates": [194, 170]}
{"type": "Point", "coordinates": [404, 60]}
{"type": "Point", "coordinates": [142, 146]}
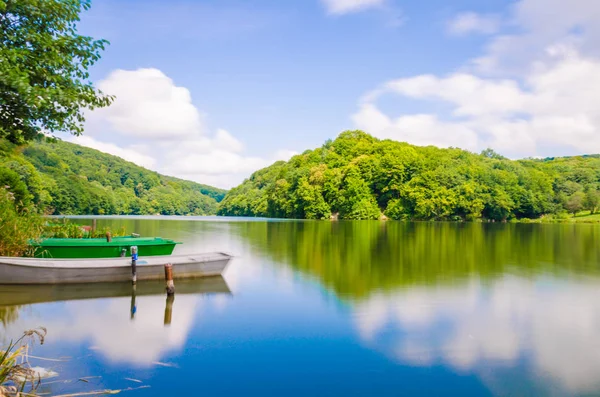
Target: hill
{"type": "Point", "coordinates": [64, 178]}
{"type": "Point", "coordinates": [358, 176]}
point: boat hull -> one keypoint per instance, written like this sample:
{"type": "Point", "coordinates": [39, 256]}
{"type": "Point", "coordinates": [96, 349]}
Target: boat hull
{"type": "Point", "coordinates": [69, 271]}
{"type": "Point", "coordinates": [100, 248]}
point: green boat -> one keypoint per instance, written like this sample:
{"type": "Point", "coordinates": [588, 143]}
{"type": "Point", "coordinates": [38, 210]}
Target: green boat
{"type": "Point", "coordinates": [101, 248]}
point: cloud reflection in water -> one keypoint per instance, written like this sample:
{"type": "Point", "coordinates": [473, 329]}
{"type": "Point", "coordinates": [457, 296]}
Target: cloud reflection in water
{"type": "Point", "coordinates": [551, 326]}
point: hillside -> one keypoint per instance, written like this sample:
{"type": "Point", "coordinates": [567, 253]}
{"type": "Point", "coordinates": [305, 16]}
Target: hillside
{"type": "Point", "coordinates": [64, 178]}
{"type": "Point", "coordinates": [358, 176]}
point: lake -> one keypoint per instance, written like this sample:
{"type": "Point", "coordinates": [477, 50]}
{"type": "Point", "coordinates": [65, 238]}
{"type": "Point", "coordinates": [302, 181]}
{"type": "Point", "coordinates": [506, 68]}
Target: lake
{"type": "Point", "coordinates": [354, 308]}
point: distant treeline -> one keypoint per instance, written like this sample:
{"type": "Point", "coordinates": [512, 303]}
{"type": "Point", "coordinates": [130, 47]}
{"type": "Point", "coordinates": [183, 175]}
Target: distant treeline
{"type": "Point", "coordinates": [358, 176]}
{"type": "Point", "coordinates": [63, 178]}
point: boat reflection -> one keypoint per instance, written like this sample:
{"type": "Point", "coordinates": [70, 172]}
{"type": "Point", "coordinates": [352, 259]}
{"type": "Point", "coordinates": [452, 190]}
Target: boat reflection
{"type": "Point", "coordinates": [11, 295]}
{"type": "Point", "coordinates": [121, 324]}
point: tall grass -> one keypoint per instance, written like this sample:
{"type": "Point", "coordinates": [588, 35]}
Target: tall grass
{"type": "Point", "coordinates": [17, 226]}
{"type": "Point", "coordinates": [20, 224]}
{"type": "Point", "coordinates": [16, 374]}
{"type": "Point", "coordinates": [63, 228]}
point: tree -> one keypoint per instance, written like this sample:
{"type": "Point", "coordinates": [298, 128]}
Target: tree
{"type": "Point", "coordinates": [312, 202]}
{"type": "Point", "coordinates": [491, 154]}
{"type": "Point", "coordinates": [11, 183]}
{"type": "Point", "coordinates": [44, 79]}
{"type": "Point", "coordinates": [575, 203]}
{"type": "Point", "coordinates": [356, 176]}
{"type": "Point", "coordinates": [357, 200]}
{"type": "Point", "coordinates": [591, 200]}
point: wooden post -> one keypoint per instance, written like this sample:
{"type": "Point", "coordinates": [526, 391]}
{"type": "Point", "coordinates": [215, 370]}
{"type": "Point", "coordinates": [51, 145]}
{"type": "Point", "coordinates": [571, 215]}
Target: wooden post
{"type": "Point", "coordinates": [93, 225]}
{"type": "Point", "coordinates": [108, 237]}
{"type": "Point", "coordinates": [169, 309]}
{"type": "Point", "coordinates": [134, 257]}
{"type": "Point", "coordinates": [169, 279]}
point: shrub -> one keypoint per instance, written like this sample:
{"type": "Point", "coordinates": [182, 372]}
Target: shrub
{"type": "Point", "coordinates": [17, 226]}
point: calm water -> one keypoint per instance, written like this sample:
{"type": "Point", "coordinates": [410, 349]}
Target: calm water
{"type": "Point", "coordinates": [337, 309]}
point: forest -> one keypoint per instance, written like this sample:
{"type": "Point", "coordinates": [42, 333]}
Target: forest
{"type": "Point", "coordinates": [358, 176]}
{"type": "Point", "coordinates": [59, 177]}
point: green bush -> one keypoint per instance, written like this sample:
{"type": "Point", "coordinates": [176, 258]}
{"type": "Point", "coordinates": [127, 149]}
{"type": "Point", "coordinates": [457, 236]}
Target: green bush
{"type": "Point", "coordinates": [17, 226]}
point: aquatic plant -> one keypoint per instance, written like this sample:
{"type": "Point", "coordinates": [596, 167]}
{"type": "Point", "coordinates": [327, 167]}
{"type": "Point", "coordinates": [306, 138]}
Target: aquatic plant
{"type": "Point", "coordinates": [16, 375]}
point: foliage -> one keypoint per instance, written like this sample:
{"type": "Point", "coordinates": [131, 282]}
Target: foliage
{"type": "Point", "coordinates": [11, 181]}
{"type": "Point", "coordinates": [17, 226]}
{"type": "Point", "coordinates": [591, 201]}
{"type": "Point", "coordinates": [63, 228]}
{"type": "Point", "coordinates": [15, 372]}
{"type": "Point", "coordinates": [357, 176]}
{"type": "Point", "coordinates": [44, 79]}
{"type": "Point", "coordinates": [62, 178]}
{"type": "Point", "coordinates": [575, 203]}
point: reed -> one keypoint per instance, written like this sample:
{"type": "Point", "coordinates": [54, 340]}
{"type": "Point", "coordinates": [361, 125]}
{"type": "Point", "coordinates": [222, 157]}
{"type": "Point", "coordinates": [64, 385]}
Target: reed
{"type": "Point", "coordinates": [16, 376]}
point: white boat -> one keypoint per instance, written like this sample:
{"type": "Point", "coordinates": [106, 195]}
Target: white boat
{"type": "Point", "coordinates": [67, 271]}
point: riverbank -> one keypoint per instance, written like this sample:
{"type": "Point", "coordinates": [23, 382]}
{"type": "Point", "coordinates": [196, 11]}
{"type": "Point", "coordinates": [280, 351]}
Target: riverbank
{"type": "Point", "coordinates": [582, 217]}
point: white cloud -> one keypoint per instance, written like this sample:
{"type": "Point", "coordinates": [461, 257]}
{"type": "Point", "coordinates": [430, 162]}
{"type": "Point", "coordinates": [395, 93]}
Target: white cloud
{"type": "Point", "coordinates": [154, 123]}
{"type": "Point", "coordinates": [148, 105]}
{"type": "Point", "coordinates": [530, 94]}
{"type": "Point", "coordinates": [284, 154]}
{"type": "Point", "coordinates": [338, 7]}
{"type": "Point", "coordinates": [215, 162]}
{"type": "Point", "coordinates": [471, 22]}
{"type": "Point", "coordinates": [542, 24]}
{"type": "Point", "coordinates": [224, 140]}
{"type": "Point", "coordinates": [216, 167]}
{"type": "Point", "coordinates": [419, 129]}
{"type": "Point", "coordinates": [129, 154]}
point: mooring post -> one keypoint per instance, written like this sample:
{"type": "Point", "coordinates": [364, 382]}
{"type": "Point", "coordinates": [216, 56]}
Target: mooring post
{"type": "Point", "coordinates": [108, 237]}
{"type": "Point", "coordinates": [169, 309]}
{"type": "Point", "coordinates": [169, 279]}
{"type": "Point", "coordinates": [134, 257]}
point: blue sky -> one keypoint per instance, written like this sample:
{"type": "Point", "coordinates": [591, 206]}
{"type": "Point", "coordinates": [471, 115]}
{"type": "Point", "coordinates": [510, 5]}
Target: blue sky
{"type": "Point", "coordinates": [213, 90]}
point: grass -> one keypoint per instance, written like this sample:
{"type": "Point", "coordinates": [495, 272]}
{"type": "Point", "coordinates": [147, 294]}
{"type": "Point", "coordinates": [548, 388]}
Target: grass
{"type": "Point", "coordinates": [586, 217]}
{"type": "Point", "coordinates": [19, 225]}
{"type": "Point", "coordinates": [16, 374]}
{"type": "Point", "coordinates": [63, 228]}
{"type": "Point", "coordinates": [580, 217]}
